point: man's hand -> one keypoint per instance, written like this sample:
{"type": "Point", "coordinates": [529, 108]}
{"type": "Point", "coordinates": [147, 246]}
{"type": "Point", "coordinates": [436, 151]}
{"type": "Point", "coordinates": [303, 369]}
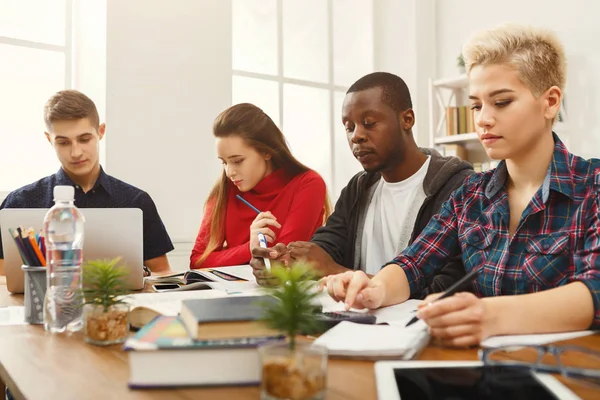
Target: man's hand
{"type": "Point", "coordinates": [277, 253]}
{"type": "Point", "coordinates": [460, 320]}
{"type": "Point", "coordinates": [314, 254]}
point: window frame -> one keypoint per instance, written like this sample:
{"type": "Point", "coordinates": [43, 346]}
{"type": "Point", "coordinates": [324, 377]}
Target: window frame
{"type": "Point", "coordinates": [66, 49]}
{"type": "Point", "coordinates": [330, 86]}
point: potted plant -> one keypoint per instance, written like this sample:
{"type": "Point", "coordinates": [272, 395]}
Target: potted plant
{"type": "Point", "coordinates": [460, 63]}
{"type": "Point", "coordinates": [105, 312]}
{"type": "Point", "coordinates": [291, 369]}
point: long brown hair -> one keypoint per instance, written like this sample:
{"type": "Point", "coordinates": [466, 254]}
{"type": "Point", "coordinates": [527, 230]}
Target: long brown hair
{"type": "Point", "coordinates": [260, 132]}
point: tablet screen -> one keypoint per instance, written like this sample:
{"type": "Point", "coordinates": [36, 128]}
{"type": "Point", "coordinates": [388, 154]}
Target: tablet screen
{"type": "Point", "coordinates": [469, 383]}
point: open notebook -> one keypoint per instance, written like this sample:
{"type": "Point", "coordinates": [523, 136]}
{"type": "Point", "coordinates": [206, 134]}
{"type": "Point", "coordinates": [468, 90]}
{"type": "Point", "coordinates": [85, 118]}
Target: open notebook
{"type": "Point", "coordinates": [235, 278]}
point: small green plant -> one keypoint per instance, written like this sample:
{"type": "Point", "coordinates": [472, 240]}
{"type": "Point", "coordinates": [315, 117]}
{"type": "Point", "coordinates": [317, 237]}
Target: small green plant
{"type": "Point", "coordinates": [104, 283]}
{"type": "Point", "coordinates": [296, 305]}
{"type": "Point", "coordinates": [460, 61]}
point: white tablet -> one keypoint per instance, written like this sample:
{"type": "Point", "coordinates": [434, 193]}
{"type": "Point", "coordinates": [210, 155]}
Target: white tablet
{"type": "Point", "coordinates": [431, 380]}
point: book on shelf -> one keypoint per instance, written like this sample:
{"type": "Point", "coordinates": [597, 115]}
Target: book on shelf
{"type": "Point", "coordinates": [162, 354]}
{"type": "Point", "coordinates": [459, 120]}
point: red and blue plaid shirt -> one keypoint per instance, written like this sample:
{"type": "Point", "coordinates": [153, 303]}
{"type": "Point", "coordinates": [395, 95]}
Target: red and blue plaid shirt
{"type": "Point", "coordinates": [557, 240]}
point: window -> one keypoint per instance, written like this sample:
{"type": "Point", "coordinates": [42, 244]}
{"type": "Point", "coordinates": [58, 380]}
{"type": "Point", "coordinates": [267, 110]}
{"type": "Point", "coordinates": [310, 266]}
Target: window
{"type": "Point", "coordinates": [36, 58]}
{"type": "Point", "coordinates": [295, 60]}
{"type": "Point", "coordinates": [38, 41]}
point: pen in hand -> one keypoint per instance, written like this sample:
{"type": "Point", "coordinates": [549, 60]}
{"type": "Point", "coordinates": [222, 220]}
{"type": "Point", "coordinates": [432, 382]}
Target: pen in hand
{"type": "Point", "coordinates": [452, 290]}
{"type": "Point", "coordinates": [263, 243]}
{"type": "Point", "coordinates": [261, 238]}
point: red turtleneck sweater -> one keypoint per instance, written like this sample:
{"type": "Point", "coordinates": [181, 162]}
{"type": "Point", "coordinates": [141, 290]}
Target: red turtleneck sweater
{"type": "Point", "coordinates": [297, 204]}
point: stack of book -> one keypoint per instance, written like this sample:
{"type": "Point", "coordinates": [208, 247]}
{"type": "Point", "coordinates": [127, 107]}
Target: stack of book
{"type": "Point", "coordinates": [163, 354]}
{"type": "Point", "coordinates": [213, 342]}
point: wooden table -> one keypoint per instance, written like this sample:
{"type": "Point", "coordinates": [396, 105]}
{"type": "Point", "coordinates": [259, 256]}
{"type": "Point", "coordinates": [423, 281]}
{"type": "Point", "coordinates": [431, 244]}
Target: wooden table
{"type": "Point", "coordinates": [35, 364]}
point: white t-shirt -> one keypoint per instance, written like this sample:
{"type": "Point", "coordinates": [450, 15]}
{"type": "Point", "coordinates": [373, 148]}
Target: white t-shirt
{"type": "Point", "coordinates": [390, 219]}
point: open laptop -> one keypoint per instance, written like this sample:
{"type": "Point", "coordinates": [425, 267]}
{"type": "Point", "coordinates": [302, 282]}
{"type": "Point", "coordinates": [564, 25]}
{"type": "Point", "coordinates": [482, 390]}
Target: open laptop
{"type": "Point", "coordinates": [109, 233]}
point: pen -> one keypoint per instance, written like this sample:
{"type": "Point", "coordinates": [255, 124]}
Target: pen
{"type": "Point", "coordinates": [248, 204]}
{"type": "Point", "coordinates": [261, 238]}
{"type": "Point", "coordinates": [451, 290]}
{"type": "Point", "coordinates": [263, 243]}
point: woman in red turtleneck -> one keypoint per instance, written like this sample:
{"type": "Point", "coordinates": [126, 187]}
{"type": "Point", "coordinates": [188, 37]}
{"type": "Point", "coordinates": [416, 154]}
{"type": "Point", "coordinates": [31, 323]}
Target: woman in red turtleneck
{"type": "Point", "coordinates": [257, 165]}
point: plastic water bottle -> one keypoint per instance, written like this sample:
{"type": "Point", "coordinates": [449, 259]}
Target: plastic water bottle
{"type": "Point", "coordinates": [63, 226]}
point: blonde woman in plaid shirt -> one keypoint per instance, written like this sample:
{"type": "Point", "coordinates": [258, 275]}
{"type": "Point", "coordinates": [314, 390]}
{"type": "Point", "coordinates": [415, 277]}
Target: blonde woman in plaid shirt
{"type": "Point", "coordinates": [531, 226]}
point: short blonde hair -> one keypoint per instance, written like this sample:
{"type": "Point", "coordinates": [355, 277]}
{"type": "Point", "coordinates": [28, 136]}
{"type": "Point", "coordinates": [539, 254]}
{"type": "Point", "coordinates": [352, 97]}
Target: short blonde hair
{"type": "Point", "coordinates": [537, 54]}
{"type": "Point", "coordinates": [70, 105]}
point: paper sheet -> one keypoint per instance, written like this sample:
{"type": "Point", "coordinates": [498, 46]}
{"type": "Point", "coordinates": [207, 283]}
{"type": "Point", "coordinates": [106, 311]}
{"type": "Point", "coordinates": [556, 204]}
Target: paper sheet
{"type": "Point", "coordinates": [12, 316]}
{"type": "Point", "coordinates": [519, 340]}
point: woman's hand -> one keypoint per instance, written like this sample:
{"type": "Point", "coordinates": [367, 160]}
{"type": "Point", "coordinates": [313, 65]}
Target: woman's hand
{"type": "Point", "coordinates": [261, 224]}
{"type": "Point", "coordinates": [355, 289]}
{"type": "Point", "coordinates": [460, 320]}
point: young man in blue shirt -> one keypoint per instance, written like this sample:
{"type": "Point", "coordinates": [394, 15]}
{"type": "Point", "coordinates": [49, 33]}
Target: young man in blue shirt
{"type": "Point", "coordinates": [73, 128]}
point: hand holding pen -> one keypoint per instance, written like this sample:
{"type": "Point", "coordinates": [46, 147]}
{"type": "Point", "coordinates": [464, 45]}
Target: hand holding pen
{"type": "Point", "coordinates": [262, 225]}
{"type": "Point", "coordinates": [452, 290]}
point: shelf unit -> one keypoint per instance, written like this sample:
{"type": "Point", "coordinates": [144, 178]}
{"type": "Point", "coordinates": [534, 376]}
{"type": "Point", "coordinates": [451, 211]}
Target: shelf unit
{"type": "Point", "coordinates": [451, 92]}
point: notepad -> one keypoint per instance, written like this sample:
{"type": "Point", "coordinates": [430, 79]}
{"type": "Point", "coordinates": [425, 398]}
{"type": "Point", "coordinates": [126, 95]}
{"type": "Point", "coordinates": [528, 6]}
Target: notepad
{"type": "Point", "coordinates": [348, 339]}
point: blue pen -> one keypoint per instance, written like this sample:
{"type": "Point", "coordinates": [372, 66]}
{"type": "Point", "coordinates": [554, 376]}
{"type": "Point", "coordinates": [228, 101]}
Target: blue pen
{"type": "Point", "coordinates": [248, 204]}
{"type": "Point", "coordinates": [261, 238]}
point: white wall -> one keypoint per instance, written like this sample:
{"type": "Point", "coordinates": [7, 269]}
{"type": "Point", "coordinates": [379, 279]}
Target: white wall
{"type": "Point", "coordinates": [89, 55]}
{"type": "Point", "coordinates": [576, 23]}
{"type": "Point", "coordinates": [405, 46]}
{"type": "Point", "coordinates": [168, 70]}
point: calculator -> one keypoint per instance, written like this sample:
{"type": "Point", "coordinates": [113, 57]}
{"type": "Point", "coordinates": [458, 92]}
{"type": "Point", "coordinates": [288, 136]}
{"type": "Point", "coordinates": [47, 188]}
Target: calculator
{"type": "Point", "coordinates": [331, 319]}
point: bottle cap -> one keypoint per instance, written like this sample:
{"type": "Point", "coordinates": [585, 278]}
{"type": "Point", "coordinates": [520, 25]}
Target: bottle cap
{"type": "Point", "coordinates": [64, 193]}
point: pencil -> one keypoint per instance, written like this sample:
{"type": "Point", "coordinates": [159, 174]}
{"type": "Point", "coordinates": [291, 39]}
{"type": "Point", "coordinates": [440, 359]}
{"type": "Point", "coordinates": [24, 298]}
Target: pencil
{"type": "Point", "coordinates": [19, 245]}
{"type": "Point", "coordinates": [36, 248]}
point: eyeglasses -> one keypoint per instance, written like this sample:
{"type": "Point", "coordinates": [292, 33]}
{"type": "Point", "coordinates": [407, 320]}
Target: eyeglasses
{"type": "Point", "coordinates": [570, 361]}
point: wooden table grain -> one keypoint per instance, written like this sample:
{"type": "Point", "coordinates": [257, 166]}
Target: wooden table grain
{"type": "Point", "coordinates": [35, 365]}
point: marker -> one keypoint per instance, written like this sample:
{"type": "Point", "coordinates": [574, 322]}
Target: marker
{"type": "Point", "coordinates": [263, 243]}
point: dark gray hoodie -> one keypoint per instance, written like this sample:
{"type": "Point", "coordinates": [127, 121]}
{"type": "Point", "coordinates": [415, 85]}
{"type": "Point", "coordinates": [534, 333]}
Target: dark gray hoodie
{"type": "Point", "coordinates": [342, 234]}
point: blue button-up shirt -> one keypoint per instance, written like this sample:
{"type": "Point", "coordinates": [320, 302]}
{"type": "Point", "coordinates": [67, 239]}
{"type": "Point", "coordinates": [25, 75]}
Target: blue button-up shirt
{"type": "Point", "coordinates": [108, 192]}
{"type": "Point", "coordinates": [556, 242]}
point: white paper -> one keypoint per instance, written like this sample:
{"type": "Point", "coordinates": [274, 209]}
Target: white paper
{"type": "Point", "coordinates": [12, 316]}
{"type": "Point", "coordinates": [519, 340]}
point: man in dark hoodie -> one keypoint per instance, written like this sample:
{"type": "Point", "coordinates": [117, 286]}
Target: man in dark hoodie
{"type": "Point", "coordinates": [384, 208]}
